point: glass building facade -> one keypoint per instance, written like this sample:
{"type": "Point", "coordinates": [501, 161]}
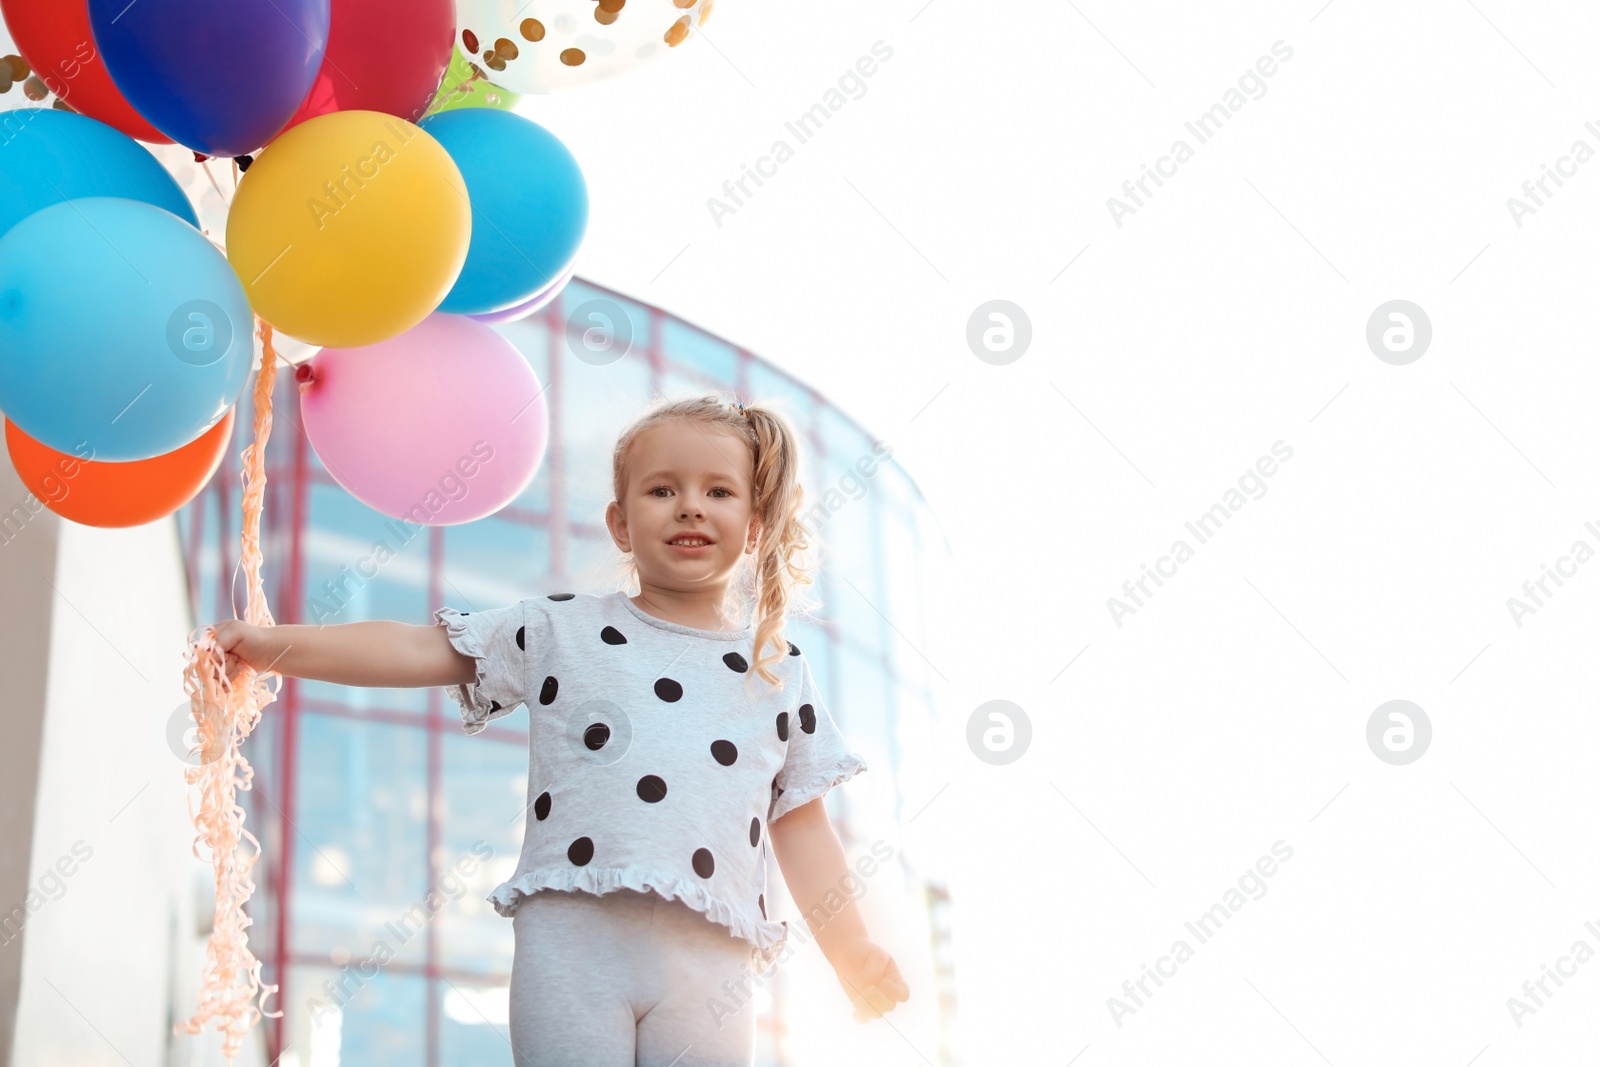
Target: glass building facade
{"type": "Point", "coordinates": [384, 827]}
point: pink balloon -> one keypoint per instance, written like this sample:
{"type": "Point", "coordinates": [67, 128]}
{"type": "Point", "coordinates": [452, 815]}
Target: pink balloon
{"type": "Point", "coordinates": [444, 424]}
{"type": "Point", "coordinates": [529, 306]}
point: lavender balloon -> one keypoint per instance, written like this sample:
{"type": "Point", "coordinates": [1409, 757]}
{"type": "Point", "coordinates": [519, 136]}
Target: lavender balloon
{"type": "Point", "coordinates": [534, 303]}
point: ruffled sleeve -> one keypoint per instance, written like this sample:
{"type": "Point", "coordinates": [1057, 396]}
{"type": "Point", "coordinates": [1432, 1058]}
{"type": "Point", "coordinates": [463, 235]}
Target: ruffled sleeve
{"type": "Point", "coordinates": [498, 641]}
{"type": "Point", "coordinates": [817, 759]}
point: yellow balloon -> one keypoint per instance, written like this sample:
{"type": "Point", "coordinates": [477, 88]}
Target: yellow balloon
{"type": "Point", "coordinates": [349, 228]}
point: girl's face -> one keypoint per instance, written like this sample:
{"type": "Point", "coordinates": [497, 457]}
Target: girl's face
{"type": "Point", "coordinates": [686, 482]}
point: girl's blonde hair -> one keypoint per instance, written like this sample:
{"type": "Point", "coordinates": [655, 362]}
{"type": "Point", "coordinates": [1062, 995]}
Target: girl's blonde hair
{"type": "Point", "coordinates": [782, 563]}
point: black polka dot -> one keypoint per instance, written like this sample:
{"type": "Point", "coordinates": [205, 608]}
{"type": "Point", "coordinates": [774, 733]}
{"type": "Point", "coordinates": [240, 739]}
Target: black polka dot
{"type": "Point", "coordinates": [668, 690]}
{"type": "Point", "coordinates": [736, 662]}
{"type": "Point", "coordinates": [724, 752]}
{"type": "Point", "coordinates": [547, 694]}
{"type": "Point", "coordinates": [561, 596]}
{"type": "Point", "coordinates": [794, 649]}
{"type": "Point", "coordinates": [808, 718]}
{"type": "Point", "coordinates": [612, 636]}
{"type": "Point", "coordinates": [522, 636]}
{"type": "Point", "coordinates": [494, 706]}
{"type": "Point", "coordinates": [703, 862]}
{"type": "Point", "coordinates": [541, 807]}
{"type": "Point", "coordinates": [465, 614]}
{"type": "Point", "coordinates": [596, 736]}
{"type": "Point", "coordinates": [755, 832]}
{"type": "Point", "coordinates": [783, 726]}
{"type": "Point", "coordinates": [761, 899]}
{"type": "Point", "coordinates": [651, 789]}
{"type": "Point", "coordinates": [580, 851]}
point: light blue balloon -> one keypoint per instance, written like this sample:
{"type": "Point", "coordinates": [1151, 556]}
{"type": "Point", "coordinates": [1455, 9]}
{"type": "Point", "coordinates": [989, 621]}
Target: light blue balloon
{"type": "Point", "coordinates": [48, 155]}
{"type": "Point", "coordinates": [530, 206]}
{"type": "Point", "coordinates": [124, 333]}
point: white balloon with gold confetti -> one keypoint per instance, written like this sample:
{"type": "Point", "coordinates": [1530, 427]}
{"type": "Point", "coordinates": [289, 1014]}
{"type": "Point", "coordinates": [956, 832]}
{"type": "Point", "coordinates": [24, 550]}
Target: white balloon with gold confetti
{"type": "Point", "coordinates": [552, 46]}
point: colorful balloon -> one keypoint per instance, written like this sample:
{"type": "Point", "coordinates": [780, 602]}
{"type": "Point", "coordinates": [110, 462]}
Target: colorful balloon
{"type": "Point", "coordinates": [47, 156]}
{"type": "Point", "coordinates": [378, 62]}
{"type": "Point", "coordinates": [222, 79]}
{"type": "Point", "coordinates": [551, 46]}
{"type": "Point", "coordinates": [122, 329]}
{"type": "Point", "coordinates": [55, 40]}
{"type": "Point", "coordinates": [442, 425]}
{"type": "Point", "coordinates": [460, 89]}
{"type": "Point", "coordinates": [95, 493]}
{"type": "Point", "coordinates": [349, 229]}
{"type": "Point", "coordinates": [535, 303]}
{"type": "Point", "coordinates": [530, 206]}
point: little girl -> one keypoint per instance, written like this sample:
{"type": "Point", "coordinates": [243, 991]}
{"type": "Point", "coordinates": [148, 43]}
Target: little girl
{"type": "Point", "coordinates": [657, 771]}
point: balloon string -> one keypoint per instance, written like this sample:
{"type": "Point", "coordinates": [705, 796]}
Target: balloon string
{"type": "Point", "coordinates": [225, 712]}
{"type": "Point", "coordinates": [206, 166]}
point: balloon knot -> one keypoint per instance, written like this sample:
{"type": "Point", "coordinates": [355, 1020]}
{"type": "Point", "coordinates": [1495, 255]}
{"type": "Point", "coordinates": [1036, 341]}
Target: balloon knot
{"type": "Point", "coordinates": [304, 374]}
{"type": "Point", "coordinates": [244, 162]}
{"type": "Point", "coordinates": [200, 157]}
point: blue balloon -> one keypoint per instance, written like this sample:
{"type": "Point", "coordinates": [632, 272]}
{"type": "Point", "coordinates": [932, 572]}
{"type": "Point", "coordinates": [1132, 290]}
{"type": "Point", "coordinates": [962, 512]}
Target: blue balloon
{"type": "Point", "coordinates": [124, 333]}
{"type": "Point", "coordinates": [48, 155]}
{"type": "Point", "coordinates": [530, 206]}
{"type": "Point", "coordinates": [220, 78]}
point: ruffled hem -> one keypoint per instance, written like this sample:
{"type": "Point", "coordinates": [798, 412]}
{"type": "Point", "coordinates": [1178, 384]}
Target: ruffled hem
{"type": "Point", "coordinates": [476, 711]}
{"type": "Point", "coordinates": [842, 769]}
{"type": "Point", "coordinates": [767, 938]}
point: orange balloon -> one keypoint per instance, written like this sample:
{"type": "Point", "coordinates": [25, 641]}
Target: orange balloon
{"type": "Point", "coordinates": [99, 493]}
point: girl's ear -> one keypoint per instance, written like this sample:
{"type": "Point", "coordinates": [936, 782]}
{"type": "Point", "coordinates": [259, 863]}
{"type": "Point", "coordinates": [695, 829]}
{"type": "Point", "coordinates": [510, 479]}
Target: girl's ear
{"type": "Point", "coordinates": [754, 536]}
{"type": "Point", "coordinates": [617, 523]}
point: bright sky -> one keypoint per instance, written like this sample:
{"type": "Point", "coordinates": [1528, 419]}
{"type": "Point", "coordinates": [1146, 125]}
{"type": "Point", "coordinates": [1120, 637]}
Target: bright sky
{"type": "Point", "coordinates": [1174, 748]}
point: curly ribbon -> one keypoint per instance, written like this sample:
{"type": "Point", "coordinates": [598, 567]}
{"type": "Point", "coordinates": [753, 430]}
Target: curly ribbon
{"type": "Point", "coordinates": [225, 714]}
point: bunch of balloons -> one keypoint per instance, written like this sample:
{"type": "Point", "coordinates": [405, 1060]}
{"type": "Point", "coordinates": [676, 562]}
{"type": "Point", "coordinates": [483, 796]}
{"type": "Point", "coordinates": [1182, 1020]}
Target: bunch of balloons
{"type": "Point", "coordinates": [389, 209]}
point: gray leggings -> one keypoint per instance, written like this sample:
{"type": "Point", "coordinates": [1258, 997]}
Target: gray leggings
{"type": "Point", "coordinates": [623, 979]}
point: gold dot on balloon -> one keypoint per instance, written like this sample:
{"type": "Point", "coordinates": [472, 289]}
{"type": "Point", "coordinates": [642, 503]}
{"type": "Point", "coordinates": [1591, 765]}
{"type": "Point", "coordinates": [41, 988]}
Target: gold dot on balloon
{"type": "Point", "coordinates": [469, 40]}
{"type": "Point", "coordinates": [532, 29]}
{"type": "Point", "coordinates": [604, 17]}
{"type": "Point", "coordinates": [494, 61]}
{"type": "Point", "coordinates": [505, 48]}
{"type": "Point", "coordinates": [678, 33]}
{"type": "Point", "coordinates": [61, 105]}
{"type": "Point", "coordinates": [611, 7]}
{"type": "Point", "coordinates": [683, 3]}
{"type": "Point", "coordinates": [18, 65]}
{"type": "Point", "coordinates": [5, 78]}
{"type": "Point", "coordinates": [573, 57]}
{"type": "Point", "coordinates": [705, 12]}
{"type": "Point", "coordinates": [34, 89]}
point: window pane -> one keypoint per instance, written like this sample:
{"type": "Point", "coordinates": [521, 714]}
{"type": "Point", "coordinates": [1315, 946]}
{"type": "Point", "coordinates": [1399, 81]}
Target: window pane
{"type": "Point", "coordinates": [474, 1027]}
{"type": "Point", "coordinates": [707, 354]}
{"type": "Point", "coordinates": [339, 1015]}
{"type": "Point", "coordinates": [485, 792]}
{"type": "Point", "coordinates": [360, 837]}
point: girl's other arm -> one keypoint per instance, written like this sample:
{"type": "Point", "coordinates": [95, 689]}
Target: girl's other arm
{"type": "Point", "coordinates": [813, 864]}
{"type": "Point", "coordinates": [379, 653]}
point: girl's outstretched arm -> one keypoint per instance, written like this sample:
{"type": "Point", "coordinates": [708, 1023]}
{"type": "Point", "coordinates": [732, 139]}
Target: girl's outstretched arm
{"type": "Point", "coordinates": [380, 653]}
{"type": "Point", "coordinates": [813, 864]}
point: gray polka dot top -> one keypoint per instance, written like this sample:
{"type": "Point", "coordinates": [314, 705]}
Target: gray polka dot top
{"type": "Point", "coordinates": [656, 756]}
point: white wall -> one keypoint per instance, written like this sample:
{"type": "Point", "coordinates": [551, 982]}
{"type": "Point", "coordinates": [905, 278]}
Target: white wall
{"type": "Point", "coordinates": [111, 953]}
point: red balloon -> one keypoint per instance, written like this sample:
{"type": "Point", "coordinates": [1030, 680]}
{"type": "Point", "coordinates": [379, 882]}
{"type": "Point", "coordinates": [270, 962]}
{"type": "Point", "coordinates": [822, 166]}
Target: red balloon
{"type": "Point", "coordinates": [378, 60]}
{"type": "Point", "coordinates": [55, 40]}
{"type": "Point", "coordinates": [100, 493]}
